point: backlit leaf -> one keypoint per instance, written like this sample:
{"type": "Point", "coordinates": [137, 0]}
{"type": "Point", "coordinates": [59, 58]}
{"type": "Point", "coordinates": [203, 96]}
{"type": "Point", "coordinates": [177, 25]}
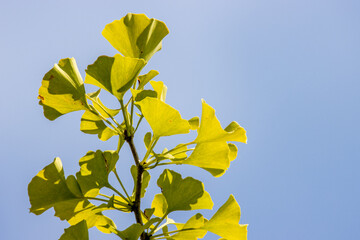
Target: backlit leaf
{"type": "Point", "coordinates": [136, 36]}
{"type": "Point", "coordinates": [62, 90]}
{"type": "Point", "coordinates": [196, 222]}
{"type": "Point", "coordinates": [76, 232]}
{"type": "Point", "coordinates": [225, 222]}
{"type": "Point", "coordinates": [194, 123]}
{"type": "Point", "coordinates": [93, 124]}
{"type": "Point", "coordinates": [94, 171]}
{"type": "Point", "coordinates": [193, 196]}
{"type": "Point", "coordinates": [144, 79]}
{"type": "Point", "coordinates": [210, 129]}
{"type": "Point", "coordinates": [163, 119]}
{"type": "Point", "coordinates": [116, 75]}
{"type": "Point", "coordinates": [211, 156]}
{"type": "Point", "coordinates": [160, 88]}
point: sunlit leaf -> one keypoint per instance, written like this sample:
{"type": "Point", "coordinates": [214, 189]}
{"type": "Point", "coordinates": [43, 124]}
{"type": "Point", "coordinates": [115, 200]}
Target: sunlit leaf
{"type": "Point", "coordinates": [145, 180]}
{"type": "Point", "coordinates": [147, 139]}
{"type": "Point", "coordinates": [94, 171]}
{"type": "Point", "coordinates": [62, 90]}
{"type": "Point", "coordinates": [163, 119]}
{"type": "Point", "coordinates": [76, 232]}
{"type": "Point", "coordinates": [193, 196]}
{"type": "Point", "coordinates": [131, 233]}
{"type": "Point", "coordinates": [100, 107]}
{"type": "Point", "coordinates": [116, 75]}
{"type": "Point", "coordinates": [194, 123]}
{"type": "Point", "coordinates": [233, 151]}
{"type": "Point", "coordinates": [160, 88]}
{"type": "Point", "coordinates": [144, 79]}
{"type": "Point", "coordinates": [210, 129]}
{"type": "Point", "coordinates": [160, 205]}
{"type": "Point", "coordinates": [211, 156]}
{"type": "Point", "coordinates": [136, 36]}
{"type": "Point", "coordinates": [93, 124]}
{"type": "Point", "coordinates": [142, 94]}
{"type": "Point", "coordinates": [195, 222]}
{"type": "Point", "coordinates": [49, 187]}
{"type": "Point", "coordinates": [225, 222]}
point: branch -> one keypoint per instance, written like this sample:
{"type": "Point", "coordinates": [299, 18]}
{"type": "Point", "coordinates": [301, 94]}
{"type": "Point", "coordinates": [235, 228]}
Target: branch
{"type": "Point", "coordinates": [140, 168]}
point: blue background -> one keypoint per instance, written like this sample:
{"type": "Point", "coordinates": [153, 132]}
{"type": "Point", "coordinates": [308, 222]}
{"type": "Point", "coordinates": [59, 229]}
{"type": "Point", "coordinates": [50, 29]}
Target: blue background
{"type": "Point", "coordinates": [287, 71]}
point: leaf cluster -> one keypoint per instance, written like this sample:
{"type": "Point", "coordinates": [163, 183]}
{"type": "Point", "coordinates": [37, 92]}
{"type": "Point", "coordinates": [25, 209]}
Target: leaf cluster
{"type": "Point", "coordinates": [137, 38]}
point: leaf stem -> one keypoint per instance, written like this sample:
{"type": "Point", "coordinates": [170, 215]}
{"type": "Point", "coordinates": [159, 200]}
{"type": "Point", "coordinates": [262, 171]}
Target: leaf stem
{"type": "Point", "coordinates": [123, 108]}
{"type": "Point", "coordinates": [119, 193]}
{"type": "Point", "coordinates": [175, 231]}
{"type": "Point", "coordinates": [122, 186]}
{"type": "Point", "coordinates": [157, 225]}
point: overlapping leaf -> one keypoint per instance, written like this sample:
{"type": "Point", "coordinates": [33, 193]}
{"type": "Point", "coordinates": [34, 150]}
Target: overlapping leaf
{"type": "Point", "coordinates": [136, 36]}
{"type": "Point", "coordinates": [49, 188]}
{"type": "Point", "coordinates": [76, 232]}
{"type": "Point", "coordinates": [193, 196]}
{"type": "Point", "coordinates": [95, 168]}
{"type": "Point", "coordinates": [116, 75]}
{"type": "Point", "coordinates": [225, 222]}
{"type": "Point", "coordinates": [212, 152]}
{"type": "Point", "coordinates": [62, 90]}
{"type": "Point", "coordinates": [163, 119]}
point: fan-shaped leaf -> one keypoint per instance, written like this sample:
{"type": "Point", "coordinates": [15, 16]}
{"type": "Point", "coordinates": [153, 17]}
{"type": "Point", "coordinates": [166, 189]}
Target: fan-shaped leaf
{"type": "Point", "coordinates": [76, 232]}
{"type": "Point", "coordinates": [136, 36]}
{"type": "Point", "coordinates": [62, 90]}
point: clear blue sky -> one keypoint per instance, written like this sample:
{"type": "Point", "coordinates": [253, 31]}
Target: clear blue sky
{"type": "Point", "coordinates": [287, 71]}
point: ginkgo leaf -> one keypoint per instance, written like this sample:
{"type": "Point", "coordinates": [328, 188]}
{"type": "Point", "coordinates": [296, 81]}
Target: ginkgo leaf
{"type": "Point", "coordinates": [211, 156]}
{"type": "Point", "coordinates": [135, 35]}
{"type": "Point", "coordinates": [160, 205]}
{"type": "Point", "coordinates": [193, 196]}
{"type": "Point", "coordinates": [210, 129]}
{"type": "Point", "coordinates": [233, 151]}
{"type": "Point", "coordinates": [194, 123]}
{"type": "Point", "coordinates": [100, 107]}
{"type": "Point", "coordinates": [49, 187]}
{"type": "Point", "coordinates": [196, 223]}
{"type": "Point", "coordinates": [144, 79]}
{"type": "Point", "coordinates": [139, 95]}
{"type": "Point", "coordinates": [76, 232]}
{"type": "Point", "coordinates": [163, 119]}
{"type": "Point", "coordinates": [160, 88]}
{"type": "Point", "coordinates": [116, 75]}
{"type": "Point", "coordinates": [225, 222]}
{"type": "Point", "coordinates": [77, 210]}
{"type": "Point", "coordinates": [62, 90]}
{"type": "Point", "coordinates": [93, 124]}
{"type": "Point", "coordinates": [94, 171]}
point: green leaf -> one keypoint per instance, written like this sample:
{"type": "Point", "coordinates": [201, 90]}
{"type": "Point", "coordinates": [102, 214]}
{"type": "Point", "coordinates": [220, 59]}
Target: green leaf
{"type": "Point", "coordinates": [62, 90]}
{"type": "Point", "coordinates": [147, 139]}
{"type": "Point", "coordinates": [160, 88]}
{"type": "Point", "coordinates": [131, 233]}
{"type": "Point", "coordinates": [225, 222]}
{"type": "Point", "coordinates": [93, 124]}
{"type": "Point", "coordinates": [211, 156]}
{"type": "Point", "coordinates": [194, 123]}
{"type": "Point", "coordinates": [94, 171]}
{"type": "Point", "coordinates": [196, 222]}
{"type": "Point", "coordinates": [193, 196]}
{"type": "Point", "coordinates": [163, 119]}
{"type": "Point", "coordinates": [142, 94]}
{"type": "Point", "coordinates": [116, 75]}
{"type": "Point", "coordinates": [100, 107]}
{"type": "Point", "coordinates": [233, 151]}
{"type": "Point", "coordinates": [76, 232]}
{"type": "Point", "coordinates": [145, 180]}
{"type": "Point", "coordinates": [160, 205]}
{"type": "Point", "coordinates": [144, 79]}
{"type": "Point", "coordinates": [211, 131]}
{"type": "Point", "coordinates": [136, 36]}
{"type": "Point", "coordinates": [77, 210]}
{"type": "Point", "coordinates": [49, 187]}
